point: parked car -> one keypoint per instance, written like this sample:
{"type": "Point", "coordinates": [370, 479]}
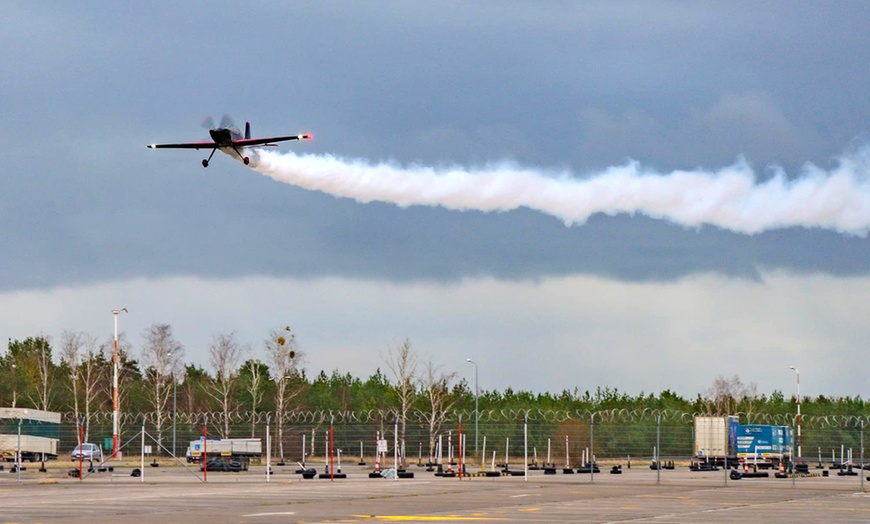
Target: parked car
{"type": "Point", "coordinates": [220, 464]}
{"type": "Point", "coordinates": [87, 451]}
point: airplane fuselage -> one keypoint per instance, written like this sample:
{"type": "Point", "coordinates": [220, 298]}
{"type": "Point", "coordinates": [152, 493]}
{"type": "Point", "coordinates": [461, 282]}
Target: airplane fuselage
{"type": "Point", "coordinates": [223, 137]}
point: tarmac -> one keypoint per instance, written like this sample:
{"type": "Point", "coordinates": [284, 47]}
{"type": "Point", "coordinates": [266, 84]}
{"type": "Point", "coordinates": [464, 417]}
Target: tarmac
{"type": "Point", "coordinates": [176, 494]}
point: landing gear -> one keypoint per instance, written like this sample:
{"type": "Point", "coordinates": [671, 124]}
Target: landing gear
{"type": "Point", "coordinates": [245, 159]}
{"type": "Point", "coordinates": [205, 161]}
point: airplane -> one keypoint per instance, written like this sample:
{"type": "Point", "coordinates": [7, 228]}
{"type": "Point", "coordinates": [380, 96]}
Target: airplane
{"type": "Point", "coordinates": [229, 140]}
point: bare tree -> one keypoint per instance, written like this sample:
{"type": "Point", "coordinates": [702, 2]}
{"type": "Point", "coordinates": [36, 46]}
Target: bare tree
{"type": "Point", "coordinates": [284, 360]}
{"type": "Point", "coordinates": [436, 386]}
{"type": "Point", "coordinates": [91, 376]}
{"type": "Point", "coordinates": [70, 354]}
{"type": "Point", "coordinates": [255, 387]}
{"type": "Point", "coordinates": [725, 394]}
{"type": "Point", "coordinates": [159, 354]}
{"type": "Point", "coordinates": [403, 363]}
{"type": "Point", "coordinates": [43, 367]}
{"type": "Point", "coordinates": [78, 353]}
{"type": "Point", "coordinates": [224, 355]}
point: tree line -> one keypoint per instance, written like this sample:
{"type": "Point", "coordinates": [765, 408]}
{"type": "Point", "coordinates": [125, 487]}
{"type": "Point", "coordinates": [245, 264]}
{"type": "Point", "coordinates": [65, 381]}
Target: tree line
{"type": "Point", "coordinates": [74, 375]}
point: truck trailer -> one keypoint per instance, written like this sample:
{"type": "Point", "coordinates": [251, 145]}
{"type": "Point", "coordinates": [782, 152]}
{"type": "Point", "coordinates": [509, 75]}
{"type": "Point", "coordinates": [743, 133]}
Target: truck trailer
{"type": "Point", "coordinates": [765, 446]}
{"type": "Point", "coordinates": [40, 434]}
{"type": "Point", "coordinates": [716, 440]}
{"type": "Point", "coordinates": [241, 449]}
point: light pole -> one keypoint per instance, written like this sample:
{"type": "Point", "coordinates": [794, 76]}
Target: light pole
{"type": "Point", "coordinates": [798, 412]}
{"type": "Point", "coordinates": [115, 364]}
{"type": "Point", "coordinates": [476, 412]}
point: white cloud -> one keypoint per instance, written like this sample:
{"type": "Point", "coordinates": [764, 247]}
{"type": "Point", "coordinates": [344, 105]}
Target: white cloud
{"type": "Point", "coordinates": [552, 334]}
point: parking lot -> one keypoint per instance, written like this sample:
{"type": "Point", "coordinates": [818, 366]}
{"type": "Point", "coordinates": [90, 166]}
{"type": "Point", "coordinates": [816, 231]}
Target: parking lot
{"type": "Point", "coordinates": [173, 494]}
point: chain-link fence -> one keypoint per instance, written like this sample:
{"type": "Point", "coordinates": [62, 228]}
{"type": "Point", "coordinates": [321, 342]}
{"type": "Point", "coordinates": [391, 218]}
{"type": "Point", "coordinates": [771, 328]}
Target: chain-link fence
{"type": "Point", "coordinates": [491, 438]}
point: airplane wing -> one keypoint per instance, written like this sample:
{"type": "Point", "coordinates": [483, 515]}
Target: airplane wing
{"type": "Point", "coordinates": [247, 142]}
{"type": "Point", "coordinates": [189, 145]}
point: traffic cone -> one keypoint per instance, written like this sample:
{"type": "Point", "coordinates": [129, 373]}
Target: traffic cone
{"type": "Point", "coordinates": [782, 468]}
{"type": "Point", "coordinates": [745, 467]}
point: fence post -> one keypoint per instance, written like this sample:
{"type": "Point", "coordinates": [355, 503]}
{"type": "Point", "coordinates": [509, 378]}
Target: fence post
{"type": "Point", "coordinates": [269, 450]}
{"type": "Point", "coordinates": [526, 446]}
{"type": "Point", "coordinates": [727, 450]}
{"type": "Point", "coordinates": [592, 448]}
{"type": "Point", "coordinates": [18, 453]}
{"type": "Point", "coordinates": [205, 449]}
{"type": "Point", "coordinates": [793, 472]}
{"type": "Point", "coordinates": [658, 448]}
{"type": "Point", "coordinates": [862, 455]}
{"type": "Point", "coordinates": [331, 447]}
{"type": "Point", "coordinates": [142, 454]}
{"type": "Point", "coordinates": [81, 439]}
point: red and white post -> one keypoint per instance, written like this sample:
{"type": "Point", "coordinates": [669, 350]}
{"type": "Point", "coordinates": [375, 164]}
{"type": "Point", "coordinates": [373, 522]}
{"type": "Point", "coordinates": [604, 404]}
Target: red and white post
{"type": "Point", "coordinates": [460, 450]}
{"type": "Point", "coordinates": [115, 364]}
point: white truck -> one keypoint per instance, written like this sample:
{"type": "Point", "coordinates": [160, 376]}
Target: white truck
{"type": "Point", "coordinates": [241, 449]}
{"type": "Point", "coordinates": [716, 440]}
{"type": "Point", "coordinates": [40, 431]}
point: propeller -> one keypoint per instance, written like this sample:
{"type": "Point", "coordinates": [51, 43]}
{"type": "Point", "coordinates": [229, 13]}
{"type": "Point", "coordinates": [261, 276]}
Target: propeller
{"type": "Point", "coordinates": [227, 122]}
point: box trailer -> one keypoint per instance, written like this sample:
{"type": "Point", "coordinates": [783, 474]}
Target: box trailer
{"type": "Point", "coordinates": [40, 432]}
{"type": "Point", "coordinates": [32, 448]}
{"type": "Point", "coordinates": [241, 449]}
{"type": "Point", "coordinates": [716, 439]}
{"type": "Point", "coordinates": [764, 445]}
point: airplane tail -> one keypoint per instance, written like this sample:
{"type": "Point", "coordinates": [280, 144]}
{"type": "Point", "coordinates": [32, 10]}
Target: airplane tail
{"type": "Point", "coordinates": [247, 130]}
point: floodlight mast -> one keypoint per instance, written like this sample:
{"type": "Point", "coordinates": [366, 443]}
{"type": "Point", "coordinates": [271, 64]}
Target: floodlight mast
{"type": "Point", "coordinates": [115, 365]}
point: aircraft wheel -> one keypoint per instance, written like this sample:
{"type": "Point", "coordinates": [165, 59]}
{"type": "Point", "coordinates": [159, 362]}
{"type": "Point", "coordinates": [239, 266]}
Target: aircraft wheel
{"type": "Point", "coordinates": [247, 160]}
{"type": "Point", "coordinates": [205, 163]}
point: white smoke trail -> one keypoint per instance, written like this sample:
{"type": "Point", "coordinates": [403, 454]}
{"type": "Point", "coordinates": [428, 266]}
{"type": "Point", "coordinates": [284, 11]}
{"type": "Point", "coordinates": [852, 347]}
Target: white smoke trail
{"type": "Point", "coordinates": [729, 198]}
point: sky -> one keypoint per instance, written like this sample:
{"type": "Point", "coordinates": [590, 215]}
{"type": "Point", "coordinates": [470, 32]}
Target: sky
{"type": "Point", "coordinates": [445, 197]}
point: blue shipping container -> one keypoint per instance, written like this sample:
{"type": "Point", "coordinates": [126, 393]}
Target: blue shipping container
{"type": "Point", "coordinates": [763, 441]}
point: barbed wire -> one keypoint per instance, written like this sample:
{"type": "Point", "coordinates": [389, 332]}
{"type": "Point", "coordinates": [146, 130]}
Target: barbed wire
{"type": "Point", "coordinates": [491, 416]}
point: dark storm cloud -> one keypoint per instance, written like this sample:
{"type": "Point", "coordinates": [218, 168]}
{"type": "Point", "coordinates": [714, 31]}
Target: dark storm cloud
{"type": "Point", "coordinates": [552, 85]}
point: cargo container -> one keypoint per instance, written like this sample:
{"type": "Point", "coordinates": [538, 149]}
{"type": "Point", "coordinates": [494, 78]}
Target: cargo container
{"type": "Point", "coordinates": [716, 439]}
{"type": "Point", "coordinates": [766, 446]}
{"type": "Point", "coordinates": [40, 432]}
